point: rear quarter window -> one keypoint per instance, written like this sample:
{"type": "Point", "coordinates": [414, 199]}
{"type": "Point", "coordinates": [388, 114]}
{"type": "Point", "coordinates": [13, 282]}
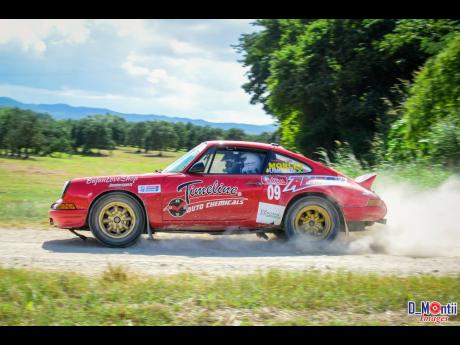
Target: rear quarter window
{"type": "Point", "coordinates": [281, 164]}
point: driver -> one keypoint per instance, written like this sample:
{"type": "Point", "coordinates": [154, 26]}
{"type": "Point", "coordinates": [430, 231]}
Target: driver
{"type": "Point", "coordinates": [252, 163]}
{"type": "Point", "coordinates": [233, 162]}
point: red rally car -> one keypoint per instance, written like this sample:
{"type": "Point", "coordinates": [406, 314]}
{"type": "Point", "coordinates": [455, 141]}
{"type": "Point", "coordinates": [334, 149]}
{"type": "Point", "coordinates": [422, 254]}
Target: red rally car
{"type": "Point", "coordinates": [222, 186]}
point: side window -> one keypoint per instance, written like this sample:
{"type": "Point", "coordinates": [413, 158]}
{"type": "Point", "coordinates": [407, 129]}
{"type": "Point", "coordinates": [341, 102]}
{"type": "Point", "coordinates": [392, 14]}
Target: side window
{"type": "Point", "coordinates": [237, 162]}
{"type": "Point", "coordinates": [206, 160]}
{"type": "Point", "coordinates": [279, 164]}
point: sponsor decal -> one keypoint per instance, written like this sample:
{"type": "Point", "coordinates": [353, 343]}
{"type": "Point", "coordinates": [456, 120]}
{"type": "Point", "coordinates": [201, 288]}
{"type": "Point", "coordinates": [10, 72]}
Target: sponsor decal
{"type": "Point", "coordinates": [192, 191]}
{"type": "Point", "coordinates": [179, 206]}
{"type": "Point", "coordinates": [276, 180]}
{"type": "Point", "coordinates": [149, 189]}
{"type": "Point", "coordinates": [285, 166]}
{"type": "Point", "coordinates": [120, 185]}
{"type": "Point", "coordinates": [270, 213]}
{"type": "Point", "coordinates": [224, 202]}
{"type": "Point", "coordinates": [199, 206]}
{"type": "Point", "coordinates": [432, 311]}
{"type": "Point", "coordinates": [296, 183]}
{"type": "Point", "coordinates": [113, 180]}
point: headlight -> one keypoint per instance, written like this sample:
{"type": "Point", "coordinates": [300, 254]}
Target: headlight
{"type": "Point", "coordinates": [66, 185]}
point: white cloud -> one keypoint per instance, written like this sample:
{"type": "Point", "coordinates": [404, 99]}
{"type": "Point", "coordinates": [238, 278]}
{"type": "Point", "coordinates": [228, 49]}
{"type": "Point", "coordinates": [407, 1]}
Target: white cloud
{"type": "Point", "coordinates": [208, 72]}
{"type": "Point", "coordinates": [180, 47]}
{"type": "Point", "coordinates": [130, 27]}
{"type": "Point", "coordinates": [33, 35]}
{"type": "Point", "coordinates": [139, 32]}
{"type": "Point", "coordinates": [170, 67]}
{"type": "Point", "coordinates": [153, 76]}
{"type": "Point", "coordinates": [199, 86]}
{"type": "Point", "coordinates": [75, 97]}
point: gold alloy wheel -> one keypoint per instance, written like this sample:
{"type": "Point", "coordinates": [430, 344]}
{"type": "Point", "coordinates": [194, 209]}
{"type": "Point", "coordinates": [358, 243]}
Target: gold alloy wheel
{"type": "Point", "coordinates": [117, 219]}
{"type": "Point", "coordinates": [313, 220]}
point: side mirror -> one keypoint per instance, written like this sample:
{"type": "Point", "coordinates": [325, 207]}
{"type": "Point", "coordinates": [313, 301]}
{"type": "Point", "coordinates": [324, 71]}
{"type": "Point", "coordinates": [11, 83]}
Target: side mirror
{"type": "Point", "coordinates": [197, 168]}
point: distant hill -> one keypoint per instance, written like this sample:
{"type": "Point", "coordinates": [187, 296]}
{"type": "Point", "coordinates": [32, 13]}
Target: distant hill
{"type": "Point", "coordinates": [65, 111]}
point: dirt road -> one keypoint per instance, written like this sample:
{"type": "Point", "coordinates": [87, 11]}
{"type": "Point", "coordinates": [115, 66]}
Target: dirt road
{"type": "Point", "coordinates": [59, 250]}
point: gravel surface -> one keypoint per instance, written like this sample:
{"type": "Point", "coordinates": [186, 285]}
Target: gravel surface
{"type": "Point", "coordinates": [60, 250]}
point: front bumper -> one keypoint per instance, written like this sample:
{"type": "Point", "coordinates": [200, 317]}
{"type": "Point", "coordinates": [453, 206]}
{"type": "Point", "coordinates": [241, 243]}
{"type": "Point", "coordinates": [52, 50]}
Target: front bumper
{"type": "Point", "coordinates": [68, 219]}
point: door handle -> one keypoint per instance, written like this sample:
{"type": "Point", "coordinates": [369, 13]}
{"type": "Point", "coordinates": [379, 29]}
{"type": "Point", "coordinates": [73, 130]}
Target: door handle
{"type": "Point", "coordinates": [254, 183]}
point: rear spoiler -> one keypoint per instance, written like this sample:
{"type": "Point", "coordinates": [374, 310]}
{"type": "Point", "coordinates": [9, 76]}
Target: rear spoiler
{"type": "Point", "coordinates": [366, 180]}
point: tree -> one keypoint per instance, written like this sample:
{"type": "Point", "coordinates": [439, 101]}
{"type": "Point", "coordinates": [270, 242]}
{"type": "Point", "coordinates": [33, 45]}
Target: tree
{"type": "Point", "coordinates": [430, 123]}
{"type": "Point", "coordinates": [192, 133]}
{"type": "Point", "coordinates": [160, 136]}
{"type": "Point", "coordinates": [234, 134]}
{"type": "Point", "coordinates": [3, 128]}
{"type": "Point", "coordinates": [266, 137]}
{"type": "Point", "coordinates": [181, 129]}
{"type": "Point", "coordinates": [326, 80]}
{"type": "Point", "coordinates": [92, 132]}
{"type": "Point", "coordinates": [118, 126]}
{"type": "Point", "coordinates": [56, 135]}
{"type": "Point", "coordinates": [136, 135]}
{"type": "Point", "coordinates": [24, 131]}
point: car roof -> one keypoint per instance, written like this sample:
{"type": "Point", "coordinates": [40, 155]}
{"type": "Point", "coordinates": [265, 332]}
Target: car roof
{"type": "Point", "coordinates": [274, 147]}
{"type": "Point", "coordinates": [251, 144]}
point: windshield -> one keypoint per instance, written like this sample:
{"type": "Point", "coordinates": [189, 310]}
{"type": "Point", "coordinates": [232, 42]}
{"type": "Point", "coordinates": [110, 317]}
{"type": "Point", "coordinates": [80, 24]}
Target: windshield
{"type": "Point", "coordinates": [181, 163]}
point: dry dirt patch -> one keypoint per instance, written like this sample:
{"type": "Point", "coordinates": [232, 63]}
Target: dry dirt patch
{"type": "Point", "coordinates": [59, 250]}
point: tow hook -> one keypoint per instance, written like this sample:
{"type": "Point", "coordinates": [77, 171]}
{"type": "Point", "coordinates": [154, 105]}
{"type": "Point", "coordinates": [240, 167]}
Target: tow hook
{"type": "Point", "coordinates": [262, 235]}
{"type": "Point", "coordinates": [83, 237]}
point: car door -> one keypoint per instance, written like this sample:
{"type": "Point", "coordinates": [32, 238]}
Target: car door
{"type": "Point", "coordinates": [227, 192]}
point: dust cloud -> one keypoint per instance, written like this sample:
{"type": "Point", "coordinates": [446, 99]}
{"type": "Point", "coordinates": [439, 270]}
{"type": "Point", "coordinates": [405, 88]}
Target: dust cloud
{"type": "Point", "coordinates": [420, 223]}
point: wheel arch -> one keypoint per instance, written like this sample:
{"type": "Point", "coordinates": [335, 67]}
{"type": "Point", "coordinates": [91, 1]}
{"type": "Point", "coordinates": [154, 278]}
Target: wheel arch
{"type": "Point", "coordinates": [141, 203]}
{"type": "Point", "coordinates": [321, 195]}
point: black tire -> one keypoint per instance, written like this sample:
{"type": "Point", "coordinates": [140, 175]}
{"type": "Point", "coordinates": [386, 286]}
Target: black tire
{"type": "Point", "coordinates": [136, 223]}
{"type": "Point", "coordinates": [322, 204]}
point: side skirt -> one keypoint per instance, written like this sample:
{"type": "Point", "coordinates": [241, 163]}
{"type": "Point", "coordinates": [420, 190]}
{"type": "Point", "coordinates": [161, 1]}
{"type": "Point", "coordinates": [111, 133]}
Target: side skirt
{"type": "Point", "coordinates": [217, 232]}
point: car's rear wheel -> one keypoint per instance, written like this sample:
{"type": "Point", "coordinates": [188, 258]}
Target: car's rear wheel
{"type": "Point", "coordinates": [117, 220]}
{"type": "Point", "coordinates": [314, 218]}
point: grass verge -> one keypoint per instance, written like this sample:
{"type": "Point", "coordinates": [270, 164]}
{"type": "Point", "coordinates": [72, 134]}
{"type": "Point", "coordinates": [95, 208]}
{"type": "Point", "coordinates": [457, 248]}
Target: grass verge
{"type": "Point", "coordinates": [119, 297]}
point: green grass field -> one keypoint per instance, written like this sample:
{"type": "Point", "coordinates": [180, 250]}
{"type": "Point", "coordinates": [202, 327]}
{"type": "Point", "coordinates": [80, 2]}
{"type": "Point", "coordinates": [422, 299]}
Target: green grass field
{"type": "Point", "coordinates": [273, 298]}
{"type": "Point", "coordinates": [28, 187]}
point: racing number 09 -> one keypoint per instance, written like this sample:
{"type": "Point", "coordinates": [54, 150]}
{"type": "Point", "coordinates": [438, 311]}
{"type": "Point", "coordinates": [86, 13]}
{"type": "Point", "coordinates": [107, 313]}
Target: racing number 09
{"type": "Point", "coordinates": [273, 192]}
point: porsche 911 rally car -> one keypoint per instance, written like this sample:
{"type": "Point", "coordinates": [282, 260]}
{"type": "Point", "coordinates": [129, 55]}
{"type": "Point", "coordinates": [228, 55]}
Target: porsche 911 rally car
{"type": "Point", "coordinates": [222, 186]}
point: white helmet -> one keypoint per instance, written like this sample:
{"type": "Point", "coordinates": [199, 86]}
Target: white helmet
{"type": "Point", "coordinates": [252, 163]}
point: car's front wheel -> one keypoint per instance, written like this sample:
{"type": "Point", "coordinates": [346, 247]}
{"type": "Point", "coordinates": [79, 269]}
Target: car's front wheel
{"type": "Point", "coordinates": [116, 220]}
{"type": "Point", "coordinates": [314, 218]}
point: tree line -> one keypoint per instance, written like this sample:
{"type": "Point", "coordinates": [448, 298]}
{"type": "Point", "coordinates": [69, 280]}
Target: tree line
{"type": "Point", "coordinates": [388, 87]}
{"type": "Point", "coordinates": [24, 132]}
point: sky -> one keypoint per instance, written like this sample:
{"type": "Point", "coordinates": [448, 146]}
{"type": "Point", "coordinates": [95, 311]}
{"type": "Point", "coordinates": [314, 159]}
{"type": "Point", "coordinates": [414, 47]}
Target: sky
{"type": "Point", "coordinates": [170, 67]}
